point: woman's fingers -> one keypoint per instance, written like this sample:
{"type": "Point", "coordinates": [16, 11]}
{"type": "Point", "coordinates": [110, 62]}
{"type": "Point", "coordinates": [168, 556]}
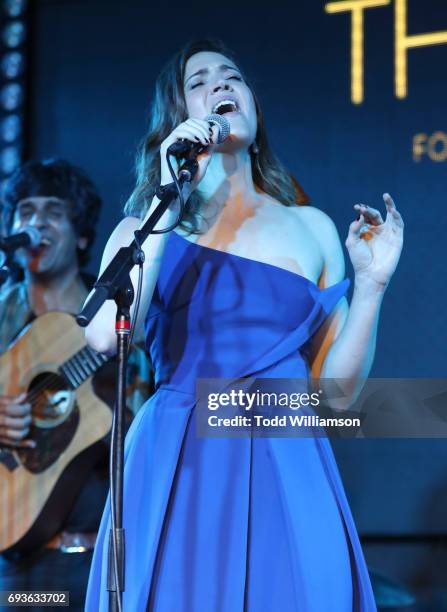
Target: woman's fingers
{"type": "Point", "coordinates": [192, 134]}
{"type": "Point", "coordinates": [355, 230]}
{"type": "Point", "coordinates": [194, 129]}
{"type": "Point", "coordinates": [372, 215]}
{"type": "Point", "coordinates": [392, 212]}
{"type": "Point", "coordinates": [203, 127]}
{"type": "Point", "coordinates": [389, 202]}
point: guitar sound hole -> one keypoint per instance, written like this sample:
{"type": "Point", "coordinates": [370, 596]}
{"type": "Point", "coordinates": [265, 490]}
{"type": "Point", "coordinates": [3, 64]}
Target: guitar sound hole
{"type": "Point", "coordinates": [51, 399]}
{"type": "Point", "coordinates": [55, 421]}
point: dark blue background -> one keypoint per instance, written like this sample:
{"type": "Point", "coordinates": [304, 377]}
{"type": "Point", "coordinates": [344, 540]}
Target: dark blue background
{"type": "Point", "coordinates": [94, 68]}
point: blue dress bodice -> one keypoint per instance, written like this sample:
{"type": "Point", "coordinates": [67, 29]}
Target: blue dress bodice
{"type": "Point", "coordinates": [215, 314]}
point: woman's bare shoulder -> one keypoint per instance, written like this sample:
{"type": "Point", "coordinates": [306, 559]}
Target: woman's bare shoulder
{"type": "Point", "coordinates": [318, 222]}
{"type": "Point", "coordinates": [313, 216]}
{"type": "Point", "coordinates": [305, 214]}
{"type": "Point", "coordinates": [323, 228]}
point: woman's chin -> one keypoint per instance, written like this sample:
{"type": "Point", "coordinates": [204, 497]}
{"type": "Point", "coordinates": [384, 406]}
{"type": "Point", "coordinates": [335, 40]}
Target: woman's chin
{"type": "Point", "coordinates": [235, 144]}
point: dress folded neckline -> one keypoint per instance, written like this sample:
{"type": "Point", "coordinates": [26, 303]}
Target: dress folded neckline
{"type": "Point", "coordinates": [257, 261]}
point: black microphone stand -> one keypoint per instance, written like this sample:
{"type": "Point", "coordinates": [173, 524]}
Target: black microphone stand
{"type": "Point", "coordinates": [115, 284]}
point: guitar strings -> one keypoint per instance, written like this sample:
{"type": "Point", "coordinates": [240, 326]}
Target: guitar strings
{"type": "Point", "coordinates": [52, 382]}
{"type": "Point", "coordinates": [52, 379]}
{"type": "Point", "coordinates": [35, 396]}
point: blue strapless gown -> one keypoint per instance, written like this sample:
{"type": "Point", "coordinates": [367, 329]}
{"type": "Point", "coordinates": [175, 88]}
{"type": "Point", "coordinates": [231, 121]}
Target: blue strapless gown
{"type": "Point", "coordinates": [230, 525]}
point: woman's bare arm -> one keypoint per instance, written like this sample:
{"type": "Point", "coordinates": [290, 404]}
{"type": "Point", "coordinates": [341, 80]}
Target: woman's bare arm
{"type": "Point", "coordinates": [344, 346]}
{"type": "Point", "coordinates": [100, 333]}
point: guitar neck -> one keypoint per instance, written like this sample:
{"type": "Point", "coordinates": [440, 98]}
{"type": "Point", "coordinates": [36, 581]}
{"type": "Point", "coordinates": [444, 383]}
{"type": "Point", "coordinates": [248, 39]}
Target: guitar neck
{"type": "Point", "coordinates": [81, 366]}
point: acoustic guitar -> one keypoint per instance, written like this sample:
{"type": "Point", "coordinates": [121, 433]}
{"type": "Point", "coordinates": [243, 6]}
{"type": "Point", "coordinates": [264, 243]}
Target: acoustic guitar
{"type": "Point", "coordinates": [52, 364]}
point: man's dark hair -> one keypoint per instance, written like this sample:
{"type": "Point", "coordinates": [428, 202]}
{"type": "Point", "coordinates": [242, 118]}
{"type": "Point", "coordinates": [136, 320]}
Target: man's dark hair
{"type": "Point", "coordinates": [60, 179]}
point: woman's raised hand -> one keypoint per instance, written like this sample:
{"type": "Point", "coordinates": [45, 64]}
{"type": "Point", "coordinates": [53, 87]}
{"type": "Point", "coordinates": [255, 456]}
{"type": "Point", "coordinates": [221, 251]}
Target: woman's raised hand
{"type": "Point", "coordinates": [375, 245]}
{"type": "Point", "coordinates": [195, 130]}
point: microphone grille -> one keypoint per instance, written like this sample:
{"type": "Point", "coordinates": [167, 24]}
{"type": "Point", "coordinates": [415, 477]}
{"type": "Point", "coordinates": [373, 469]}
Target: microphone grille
{"type": "Point", "coordinates": [223, 123]}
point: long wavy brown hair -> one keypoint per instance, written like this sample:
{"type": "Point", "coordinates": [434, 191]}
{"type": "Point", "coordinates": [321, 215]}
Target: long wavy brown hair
{"type": "Point", "coordinates": [168, 111]}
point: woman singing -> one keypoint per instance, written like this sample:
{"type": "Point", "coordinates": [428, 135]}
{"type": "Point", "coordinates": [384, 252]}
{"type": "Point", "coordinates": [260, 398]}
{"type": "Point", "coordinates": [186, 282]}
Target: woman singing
{"type": "Point", "coordinates": [250, 284]}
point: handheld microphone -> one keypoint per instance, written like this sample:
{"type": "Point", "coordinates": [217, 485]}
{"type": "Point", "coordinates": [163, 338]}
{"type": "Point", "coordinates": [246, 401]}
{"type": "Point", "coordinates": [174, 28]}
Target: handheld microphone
{"type": "Point", "coordinates": [189, 149]}
{"type": "Point", "coordinates": [29, 237]}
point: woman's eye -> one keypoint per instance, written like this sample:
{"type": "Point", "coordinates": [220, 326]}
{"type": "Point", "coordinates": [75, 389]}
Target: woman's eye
{"type": "Point", "coordinates": [196, 84]}
{"type": "Point", "coordinates": [235, 76]}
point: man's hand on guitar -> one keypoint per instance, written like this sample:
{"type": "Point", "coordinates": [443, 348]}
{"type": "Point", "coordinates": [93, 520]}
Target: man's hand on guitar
{"type": "Point", "coordinates": [15, 421]}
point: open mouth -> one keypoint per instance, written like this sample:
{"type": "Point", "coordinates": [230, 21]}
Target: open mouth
{"type": "Point", "coordinates": [225, 106]}
{"type": "Point", "coordinates": [41, 248]}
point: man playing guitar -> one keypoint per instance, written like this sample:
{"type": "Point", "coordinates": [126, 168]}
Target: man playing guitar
{"type": "Point", "coordinates": [62, 203]}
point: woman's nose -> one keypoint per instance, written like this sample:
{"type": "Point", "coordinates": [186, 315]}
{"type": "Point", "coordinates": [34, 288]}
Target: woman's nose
{"type": "Point", "coordinates": [221, 86]}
